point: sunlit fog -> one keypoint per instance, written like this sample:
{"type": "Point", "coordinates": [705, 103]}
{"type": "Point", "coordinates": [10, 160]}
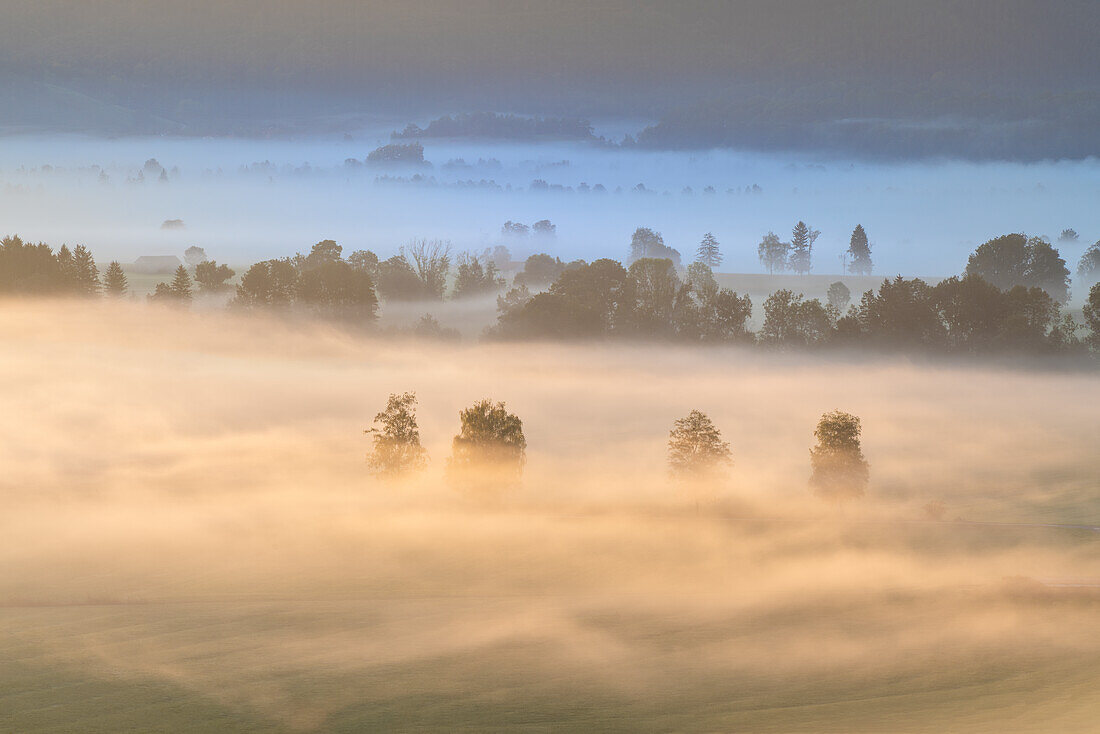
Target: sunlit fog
{"type": "Point", "coordinates": [549, 366]}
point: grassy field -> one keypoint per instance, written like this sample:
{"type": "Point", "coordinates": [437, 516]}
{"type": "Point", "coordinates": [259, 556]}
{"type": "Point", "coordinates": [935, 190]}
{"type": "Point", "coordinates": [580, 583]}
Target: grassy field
{"type": "Point", "coordinates": [190, 541]}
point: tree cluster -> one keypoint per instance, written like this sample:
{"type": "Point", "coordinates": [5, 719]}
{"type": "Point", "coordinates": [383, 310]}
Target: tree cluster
{"type": "Point", "coordinates": [649, 299]}
{"type": "Point", "coordinates": [322, 283]}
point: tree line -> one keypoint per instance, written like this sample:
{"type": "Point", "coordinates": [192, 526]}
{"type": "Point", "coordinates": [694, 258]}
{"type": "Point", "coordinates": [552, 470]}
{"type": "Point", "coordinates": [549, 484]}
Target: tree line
{"type": "Point", "coordinates": [1009, 299]}
{"type": "Point", "coordinates": [489, 450]}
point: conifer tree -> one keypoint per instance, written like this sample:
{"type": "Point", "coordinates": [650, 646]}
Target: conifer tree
{"type": "Point", "coordinates": [802, 243]}
{"type": "Point", "coordinates": [181, 284]}
{"type": "Point", "coordinates": [860, 251]}
{"type": "Point", "coordinates": [114, 280]}
{"type": "Point", "coordinates": [708, 252]}
{"type": "Point", "coordinates": [85, 272]}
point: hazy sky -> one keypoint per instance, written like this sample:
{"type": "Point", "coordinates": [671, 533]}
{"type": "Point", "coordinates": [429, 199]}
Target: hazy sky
{"type": "Point", "coordinates": [214, 63]}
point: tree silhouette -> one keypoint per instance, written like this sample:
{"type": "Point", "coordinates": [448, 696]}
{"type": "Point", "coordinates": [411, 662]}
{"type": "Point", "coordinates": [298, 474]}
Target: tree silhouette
{"type": "Point", "coordinates": [1088, 267]}
{"type": "Point", "coordinates": [1016, 259]}
{"type": "Point", "coordinates": [695, 446]}
{"type": "Point", "coordinates": [114, 280]}
{"type": "Point", "coordinates": [859, 249]}
{"type": "Point", "coordinates": [432, 262]}
{"type": "Point", "coordinates": [802, 243]}
{"type": "Point", "coordinates": [181, 284]}
{"type": "Point", "coordinates": [194, 255]}
{"type": "Point", "coordinates": [708, 252]}
{"type": "Point", "coordinates": [396, 437]}
{"type": "Point", "coordinates": [85, 273]}
{"type": "Point", "coordinates": [490, 448]}
{"type": "Point", "coordinates": [840, 472]}
{"type": "Point", "coordinates": [212, 277]}
{"type": "Point", "coordinates": [773, 253]}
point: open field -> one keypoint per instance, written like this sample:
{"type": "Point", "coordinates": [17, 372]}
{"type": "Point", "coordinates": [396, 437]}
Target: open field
{"type": "Point", "coordinates": [190, 540]}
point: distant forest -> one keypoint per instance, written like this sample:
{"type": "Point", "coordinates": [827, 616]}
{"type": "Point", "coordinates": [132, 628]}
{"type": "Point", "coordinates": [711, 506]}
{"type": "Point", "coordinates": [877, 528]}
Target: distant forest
{"type": "Point", "coordinates": [1008, 300]}
{"type": "Point", "coordinates": [1007, 79]}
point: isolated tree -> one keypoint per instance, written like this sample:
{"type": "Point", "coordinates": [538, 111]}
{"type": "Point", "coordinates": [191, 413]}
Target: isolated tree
{"type": "Point", "coordinates": [695, 447]}
{"type": "Point", "coordinates": [1088, 267]}
{"type": "Point", "coordinates": [708, 252]}
{"type": "Point", "coordinates": [838, 296]}
{"type": "Point", "coordinates": [859, 249]}
{"type": "Point", "coordinates": [194, 255]}
{"type": "Point", "coordinates": [212, 277]}
{"type": "Point", "coordinates": [773, 253]}
{"type": "Point", "coordinates": [840, 472]}
{"type": "Point", "coordinates": [85, 273]}
{"type": "Point", "coordinates": [490, 448]}
{"type": "Point", "coordinates": [396, 437]}
{"type": "Point", "coordinates": [802, 242]}
{"type": "Point", "coordinates": [1068, 236]}
{"type": "Point", "coordinates": [544, 228]}
{"type": "Point", "coordinates": [181, 284]}
{"type": "Point", "coordinates": [431, 260]}
{"type": "Point", "coordinates": [114, 280]}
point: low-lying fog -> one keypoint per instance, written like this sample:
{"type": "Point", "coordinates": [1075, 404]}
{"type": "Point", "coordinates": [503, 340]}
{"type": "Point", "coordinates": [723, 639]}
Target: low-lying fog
{"type": "Point", "coordinates": [244, 200]}
{"type": "Point", "coordinates": [185, 499]}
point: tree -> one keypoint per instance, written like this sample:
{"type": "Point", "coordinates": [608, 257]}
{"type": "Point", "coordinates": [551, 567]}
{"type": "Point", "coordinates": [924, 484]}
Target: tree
{"type": "Point", "coordinates": [695, 447]}
{"type": "Point", "coordinates": [114, 280]}
{"type": "Point", "coordinates": [475, 279]}
{"type": "Point", "coordinates": [1015, 259]}
{"type": "Point", "coordinates": [838, 297]}
{"type": "Point", "coordinates": [655, 288]}
{"type": "Point", "coordinates": [66, 267]}
{"type": "Point", "coordinates": [773, 253]}
{"type": "Point", "coordinates": [490, 448]}
{"type": "Point", "coordinates": [1068, 235]}
{"type": "Point", "coordinates": [181, 284]}
{"type": "Point", "coordinates": [270, 283]}
{"type": "Point", "coordinates": [647, 243]}
{"type": "Point", "coordinates": [902, 314]}
{"type": "Point", "coordinates": [396, 437]}
{"type": "Point", "coordinates": [514, 229]}
{"type": "Point", "coordinates": [336, 290]}
{"type": "Point", "coordinates": [539, 270]}
{"type": "Point", "coordinates": [706, 313]}
{"type": "Point", "coordinates": [791, 321]}
{"type": "Point", "coordinates": [432, 262]}
{"type": "Point", "coordinates": [194, 255]}
{"type": "Point", "coordinates": [1088, 267]}
{"type": "Point", "coordinates": [364, 260]}
{"type": "Point", "coordinates": [1091, 311]}
{"type": "Point", "coordinates": [802, 243]}
{"type": "Point", "coordinates": [84, 272]}
{"type": "Point", "coordinates": [839, 470]}
{"type": "Point", "coordinates": [212, 277]}
{"type": "Point", "coordinates": [544, 228]}
{"type": "Point", "coordinates": [397, 281]}
{"type": "Point", "coordinates": [322, 253]}
{"type": "Point", "coordinates": [859, 249]}
{"type": "Point", "coordinates": [708, 252]}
